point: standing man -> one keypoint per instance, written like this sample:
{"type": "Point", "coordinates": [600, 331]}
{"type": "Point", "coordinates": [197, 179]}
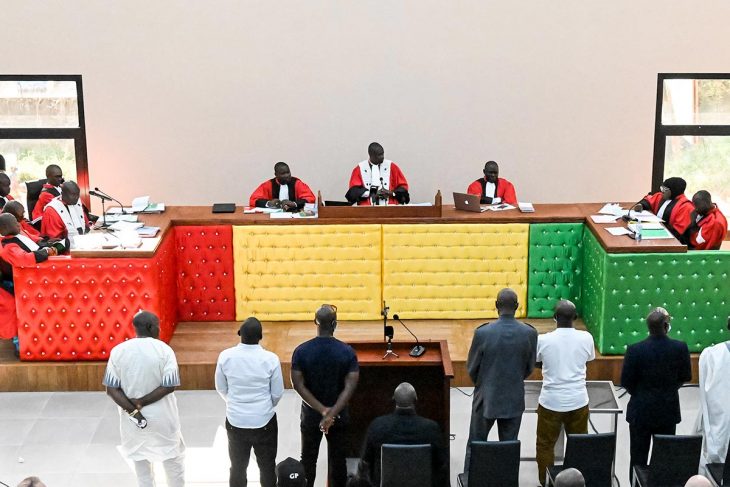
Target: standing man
{"type": "Point", "coordinates": [284, 191]}
{"type": "Point", "coordinates": [708, 226]}
{"type": "Point", "coordinates": [501, 357]}
{"type": "Point", "coordinates": [405, 427]}
{"type": "Point", "coordinates": [377, 181]}
{"type": "Point", "coordinates": [670, 204]}
{"type": "Point", "coordinates": [491, 188]}
{"type": "Point", "coordinates": [562, 354]}
{"type": "Point", "coordinates": [713, 421]}
{"type": "Point", "coordinates": [653, 371]}
{"type": "Point", "coordinates": [140, 377]}
{"type": "Point", "coordinates": [250, 382]}
{"type": "Point", "coordinates": [51, 189]}
{"type": "Point", "coordinates": [65, 217]}
{"type": "Point", "coordinates": [324, 372]}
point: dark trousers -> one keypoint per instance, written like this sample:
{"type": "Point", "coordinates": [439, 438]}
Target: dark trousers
{"type": "Point", "coordinates": [263, 441]}
{"type": "Point", "coordinates": [479, 428]}
{"type": "Point", "coordinates": [640, 437]}
{"type": "Point", "coordinates": [549, 424]}
{"type": "Point", "coordinates": [336, 447]}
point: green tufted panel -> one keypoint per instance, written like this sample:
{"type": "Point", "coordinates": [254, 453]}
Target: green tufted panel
{"type": "Point", "coordinates": [554, 267]}
{"type": "Point", "coordinates": [619, 290]}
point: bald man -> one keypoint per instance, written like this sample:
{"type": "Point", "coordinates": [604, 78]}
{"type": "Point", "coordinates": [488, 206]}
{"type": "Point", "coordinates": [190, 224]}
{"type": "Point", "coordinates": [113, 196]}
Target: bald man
{"type": "Point", "coordinates": [405, 427]}
{"type": "Point", "coordinates": [283, 191]}
{"type": "Point", "coordinates": [501, 357]}
{"type": "Point", "coordinates": [65, 217]}
{"type": "Point", "coordinates": [698, 481]}
{"type": "Point", "coordinates": [492, 189]}
{"type": "Point", "coordinates": [570, 477]}
{"type": "Point", "coordinates": [708, 226]}
{"type": "Point", "coordinates": [4, 189]}
{"type": "Point", "coordinates": [563, 403]}
{"type": "Point", "coordinates": [51, 190]}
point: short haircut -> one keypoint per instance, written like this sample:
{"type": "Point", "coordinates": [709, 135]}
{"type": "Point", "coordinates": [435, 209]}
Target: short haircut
{"type": "Point", "coordinates": [2, 163]}
{"type": "Point", "coordinates": [655, 321]}
{"type": "Point", "coordinates": [251, 331]}
{"type": "Point", "coordinates": [4, 176]}
{"type": "Point", "coordinates": [326, 317]}
{"type": "Point", "coordinates": [703, 195]}
{"type": "Point", "coordinates": [51, 167]}
{"type": "Point", "coordinates": [375, 148]}
{"type": "Point", "coordinates": [31, 482]}
{"type": "Point", "coordinates": [143, 319]}
{"type": "Point", "coordinates": [280, 165]}
{"type": "Point", "coordinates": [507, 300]}
{"type": "Point", "coordinates": [491, 163]}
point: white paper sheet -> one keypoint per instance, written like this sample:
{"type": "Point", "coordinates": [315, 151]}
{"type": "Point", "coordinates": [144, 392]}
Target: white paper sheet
{"type": "Point", "coordinates": [616, 231]}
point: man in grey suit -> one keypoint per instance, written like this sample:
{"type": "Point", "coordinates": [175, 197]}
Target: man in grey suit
{"type": "Point", "coordinates": [501, 357]}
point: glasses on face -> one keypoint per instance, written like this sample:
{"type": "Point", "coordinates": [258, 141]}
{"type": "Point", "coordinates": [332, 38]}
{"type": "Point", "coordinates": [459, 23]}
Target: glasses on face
{"type": "Point", "coordinates": [663, 189]}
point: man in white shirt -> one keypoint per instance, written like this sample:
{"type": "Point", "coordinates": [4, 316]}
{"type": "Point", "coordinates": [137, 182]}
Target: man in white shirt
{"type": "Point", "coordinates": [249, 380]}
{"type": "Point", "coordinates": [140, 377]}
{"type": "Point", "coordinates": [713, 421]}
{"type": "Point", "coordinates": [562, 354]}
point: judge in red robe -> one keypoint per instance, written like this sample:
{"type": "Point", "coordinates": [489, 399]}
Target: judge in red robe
{"type": "Point", "coordinates": [65, 217]}
{"type": "Point", "coordinates": [377, 181]}
{"type": "Point", "coordinates": [708, 226]}
{"type": "Point", "coordinates": [492, 189]}
{"type": "Point", "coordinates": [16, 209]}
{"type": "Point", "coordinates": [4, 189]}
{"type": "Point", "coordinates": [284, 191]}
{"type": "Point", "coordinates": [51, 190]}
{"type": "Point", "coordinates": [671, 205]}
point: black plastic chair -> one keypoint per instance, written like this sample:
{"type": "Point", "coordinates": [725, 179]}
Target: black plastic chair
{"type": "Point", "coordinates": [34, 189]}
{"type": "Point", "coordinates": [593, 455]}
{"type": "Point", "coordinates": [720, 472]}
{"type": "Point", "coordinates": [406, 466]}
{"type": "Point", "coordinates": [493, 464]}
{"type": "Point", "coordinates": [674, 459]}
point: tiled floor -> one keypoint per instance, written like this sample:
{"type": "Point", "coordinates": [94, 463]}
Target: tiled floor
{"type": "Point", "coordinates": [70, 439]}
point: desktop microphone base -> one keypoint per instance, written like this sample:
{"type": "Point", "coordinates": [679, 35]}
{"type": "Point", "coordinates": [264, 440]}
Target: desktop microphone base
{"type": "Point", "coordinates": [417, 351]}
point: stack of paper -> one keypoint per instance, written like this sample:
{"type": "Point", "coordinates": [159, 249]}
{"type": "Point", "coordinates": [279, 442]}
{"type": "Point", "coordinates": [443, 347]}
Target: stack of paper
{"type": "Point", "coordinates": [501, 207]}
{"type": "Point", "coordinates": [122, 225]}
{"type": "Point", "coordinates": [604, 218]}
{"type": "Point", "coordinates": [147, 232]}
{"type": "Point", "coordinates": [526, 207]}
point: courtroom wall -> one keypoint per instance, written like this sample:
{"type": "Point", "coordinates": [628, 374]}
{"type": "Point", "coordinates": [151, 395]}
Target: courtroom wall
{"type": "Point", "coordinates": [192, 102]}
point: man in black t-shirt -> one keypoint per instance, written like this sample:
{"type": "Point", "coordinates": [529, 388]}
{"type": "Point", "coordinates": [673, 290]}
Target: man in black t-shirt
{"type": "Point", "coordinates": [324, 372]}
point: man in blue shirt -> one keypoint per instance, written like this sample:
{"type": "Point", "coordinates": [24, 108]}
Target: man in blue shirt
{"type": "Point", "coordinates": [324, 372]}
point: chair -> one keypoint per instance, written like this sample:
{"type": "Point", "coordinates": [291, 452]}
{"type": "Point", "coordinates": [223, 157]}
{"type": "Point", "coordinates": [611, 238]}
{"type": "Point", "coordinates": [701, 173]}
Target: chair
{"type": "Point", "coordinates": [720, 472]}
{"type": "Point", "coordinates": [674, 459]}
{"type": "Point", "coordinates": [493, 464]}
{"type": "Point", "coordinates": [34, 189]}
{"type": "Point", "coordinates": [406, 466]}
{"type": "Point", "coordinates": [591, 454]}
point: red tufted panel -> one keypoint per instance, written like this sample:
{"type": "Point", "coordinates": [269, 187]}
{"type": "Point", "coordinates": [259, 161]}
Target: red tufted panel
{"type": "Point", "coordinates": [79, 309]}
{"type": "Point", "coordinates": [8, 317]}
{"type": "Point", "coordinates": [205, 273]}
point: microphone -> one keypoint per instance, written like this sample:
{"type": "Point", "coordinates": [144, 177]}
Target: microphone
{"type": "Point", "coordinates": [110, 198]}
{"type": "Point", "coordinates": [100, 195]}
{"type": "Point", "coordinates": [419, 349]}
{"type": "Point", "coordinates": [627, 216]}
{"type": "Point", "coordinates": [388, 331]}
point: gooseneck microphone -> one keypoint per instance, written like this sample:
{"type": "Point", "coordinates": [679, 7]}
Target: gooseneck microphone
{"type": "Point", "coordinates": [103, 197]}
{"type": "Point", "coordinates": [419, 349]}
{"type": "Point", "coordinates": [388, 332]}
{"type": "Point", "coordinates": [110, 198]}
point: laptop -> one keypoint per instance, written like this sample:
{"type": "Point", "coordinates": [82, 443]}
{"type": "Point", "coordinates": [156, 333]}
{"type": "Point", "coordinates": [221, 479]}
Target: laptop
{"type": "Point", "coordinates": [468, 202]}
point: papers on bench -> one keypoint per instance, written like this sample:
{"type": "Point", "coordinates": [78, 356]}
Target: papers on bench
{"type": "Point", "coordinates": [604, 218]}
{"type": "Point", "coordinates": [526, 207]}
{"type": "Point", "coordinates": [617, 231]}
{"type": "Point", "coordinates": [500, 207]}
{"type": "Point", "coordinates": [141, 204]}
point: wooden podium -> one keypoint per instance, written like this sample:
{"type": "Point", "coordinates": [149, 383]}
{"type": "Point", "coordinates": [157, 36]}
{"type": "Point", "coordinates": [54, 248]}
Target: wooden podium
{"type": "Point", "coordinates": [390, 211]}
{"type": "Point", "coordinates": [430, 374]}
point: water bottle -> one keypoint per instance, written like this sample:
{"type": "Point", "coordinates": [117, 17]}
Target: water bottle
{"type": "Point", "coordinates": [637, 232]}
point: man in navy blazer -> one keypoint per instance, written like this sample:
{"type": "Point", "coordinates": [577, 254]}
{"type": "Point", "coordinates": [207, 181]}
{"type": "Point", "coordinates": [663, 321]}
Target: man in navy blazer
{"type": "Point", "coordinates": [501, 357]}
{"type": "Point", "coordinates": [653, 371]}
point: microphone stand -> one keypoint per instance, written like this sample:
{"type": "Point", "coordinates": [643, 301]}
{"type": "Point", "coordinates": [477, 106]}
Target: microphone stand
{"type": "Point", "coordinates": [103, 199]}
{"type": "Point", "coordinates": [419, 349]}
{"type": "Point", "coordinates": [388, 332]}
{"type": "Point", "coordinates": [121, 206]}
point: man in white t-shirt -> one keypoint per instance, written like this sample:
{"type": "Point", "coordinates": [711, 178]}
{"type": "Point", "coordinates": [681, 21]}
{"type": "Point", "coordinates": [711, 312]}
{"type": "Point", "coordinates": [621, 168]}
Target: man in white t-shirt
{"type": "Point", "coordinates": [562, 354]}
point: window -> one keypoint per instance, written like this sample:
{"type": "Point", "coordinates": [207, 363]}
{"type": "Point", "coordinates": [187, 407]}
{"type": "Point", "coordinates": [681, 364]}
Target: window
{"type": "Point", "coordinates": [692, 133]}
{"type": "Point", "coordinates": [42, 123]}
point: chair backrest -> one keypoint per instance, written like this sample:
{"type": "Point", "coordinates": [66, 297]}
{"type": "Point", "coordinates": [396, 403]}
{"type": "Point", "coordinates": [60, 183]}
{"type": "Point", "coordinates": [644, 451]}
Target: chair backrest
{"type": "Point", "coordinates": [406, 466]}
{"type": "Point", "coordinates": [674, 459]}
{"type": "Point", "coordinates": [593, 455]}
{"type": "Point", "coordinates": [34, 189]}
{"type": "Point", "coordinates": [494, 464]}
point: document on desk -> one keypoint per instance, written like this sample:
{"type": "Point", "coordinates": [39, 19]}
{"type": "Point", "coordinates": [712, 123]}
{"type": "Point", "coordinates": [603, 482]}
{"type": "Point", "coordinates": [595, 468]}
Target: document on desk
{"type": "Point", "coordinates": [617, 231]}
{"type": "Point", "coordinates": [611, 209]}
{"type": "Point", "coordinates": [604, 218]}
{"type": "Point", "coordinates": [280, 215]}
{"type": "Point", "coordinates": [501, 207]}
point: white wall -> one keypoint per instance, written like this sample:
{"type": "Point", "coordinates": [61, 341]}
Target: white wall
{"type": "Point", "coordinates": [193, 101]}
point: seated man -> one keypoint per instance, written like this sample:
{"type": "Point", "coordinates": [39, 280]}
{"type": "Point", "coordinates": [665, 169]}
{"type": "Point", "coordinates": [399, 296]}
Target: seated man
{"type": "Point", "coordinates": [283, 191]}
{"type": "Point", "coordinates": [377, 181]}
{"type": "Point", "coordinates": [491, 188]}
{"type": "Point", "coordinates": [670, 204]}
{"type": "Point", "coordinates": [65, 217]}
{"type": "Point", "coordinates": [404, 427]}
{"type": "Point", "coordinates": [16, 209]}
{"type": "Point", "coordinates": [4, 189]}
{"type": "Point", "coordinates": [51, 190]}
{"type": "Point", "coordinates": [708, 226]}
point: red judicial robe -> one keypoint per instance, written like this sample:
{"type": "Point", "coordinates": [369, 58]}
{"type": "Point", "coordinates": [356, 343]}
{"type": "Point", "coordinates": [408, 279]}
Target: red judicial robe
{"type": "Point", "coordinates": [676, 215]}
{"type": "Point", "coordinates": [29, 229]}
{"type": "Point", "coordinates": [53, 226]}
{"type": "Point", "coordinates": [47, 194]}
{"type": "Point", "coordinates": [299, 192]}
{"type": "Point", "coordinates": [504, 190]}
{"type": "Point", "coordinates": [709, 232]}
{"type": "Point", "coordinates": [396, 181]}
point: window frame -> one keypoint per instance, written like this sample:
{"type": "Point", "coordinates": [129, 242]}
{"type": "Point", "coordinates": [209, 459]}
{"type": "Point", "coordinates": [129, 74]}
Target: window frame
{"type": "Point", "coordinates": [661, 131]}
{"type": "Point", "coordinates": [77, 134]}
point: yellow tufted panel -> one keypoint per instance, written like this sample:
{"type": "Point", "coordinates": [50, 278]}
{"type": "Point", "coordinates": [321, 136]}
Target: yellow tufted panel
{"type": "Point", "coordinates": [285, 272]}
{"type": "Point", "coordinates": [453, 271]}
